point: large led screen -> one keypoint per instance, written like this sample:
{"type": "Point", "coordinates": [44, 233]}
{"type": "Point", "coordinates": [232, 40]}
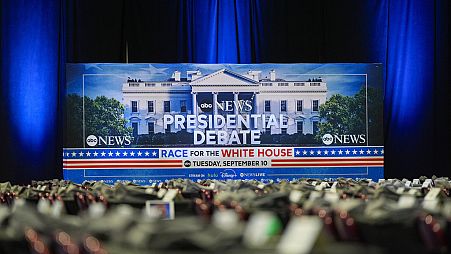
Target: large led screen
{"type": "Point", "coordinates": [147, 123]}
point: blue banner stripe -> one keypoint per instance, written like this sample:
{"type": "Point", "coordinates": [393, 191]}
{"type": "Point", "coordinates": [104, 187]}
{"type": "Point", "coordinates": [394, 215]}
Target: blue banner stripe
{"type": "Point", "coordinates": [110, 153]}
{"type": "Point", "coordinates": [338, 151]}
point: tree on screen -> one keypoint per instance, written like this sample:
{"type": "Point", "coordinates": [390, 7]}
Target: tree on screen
{"type": "Point", "coordinates": [74, 121]}
{"type": "Point", "coordinates": [103, 117]}
{"type": "Point", "coordinates": [343, 115]}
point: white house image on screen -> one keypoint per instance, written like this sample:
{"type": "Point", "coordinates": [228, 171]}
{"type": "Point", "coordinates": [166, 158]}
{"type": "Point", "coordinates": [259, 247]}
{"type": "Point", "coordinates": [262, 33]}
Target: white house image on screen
{"type": "Point", "coordinates": [147, 101]}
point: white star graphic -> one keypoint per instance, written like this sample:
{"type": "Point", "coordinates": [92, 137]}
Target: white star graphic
{"type": "Point", "coordinates": [95, 153]}
{"type": "Point", "coordinates": [81, 154]}
{"type": "Point", "coordinates": [103, 153]}
{"type": "Point", "coordinates": [312, 152]}
{"type": "Point", "coordinates": [118, 153]}
{"type": "Point", "coordinates": [354, 151]}
{"type": "Point", "coordinates": [132, 153]}
{"type": "Point", "coordinates": [304, 152]}
{"type": "Point", "coordinates": [340, 152]}
{"type": "Point", "coordinates": [139, 153]}
{"type": "Point", "coordinates": [319, 152]}
{"type": "Point", "coordinates": [147, 153]}
{"type": "Point", "coordinates": [154, 153]}
{"type": "Point", "coordinates": [347, 151]}
{"type": "Point", "coordinates": [361, 151]}
{"type": "Point", "coordinates": [67, 154]}
{"type": "Point", "coordinates": [375, 151]}
{"type": "Point", "coordinates": [73, 154]}
{"type": "Point", "coordinates": [110, 154]}
{"type": "Point", "coordinates": [382, 151]}
{"type": "Point", "coordinates": [297, 152]}
{"type": "Point", "coordinates": [125, 153]}
{"type": "Point", "coordinates": [88, 153]}
{"type": "Point", "coordinates": [326, 152]}
{"type": "Point", "coordinates": [333, 152]}
{"type": "Point", "coordinates": [368, 151]}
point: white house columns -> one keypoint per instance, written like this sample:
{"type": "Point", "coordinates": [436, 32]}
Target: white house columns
{"type": "Point", "coordinates": [215, 103]}
{"type": "Point", "coordinates": [194, 95]}
{"type": "Point", "coordinates": [235, 102]}
{"type": "Point", "coordinates": [255, 107]}
{"type": "Point", "coordinates": [255, 102]}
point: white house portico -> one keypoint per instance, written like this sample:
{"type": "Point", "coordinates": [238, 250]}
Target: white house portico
{"type": "Point", "coordinates": [298, 101]}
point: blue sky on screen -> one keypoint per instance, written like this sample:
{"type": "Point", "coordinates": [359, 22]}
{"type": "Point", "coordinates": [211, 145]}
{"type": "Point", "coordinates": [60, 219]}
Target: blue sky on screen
{"type": "Point", "coordinates": [107, 79]}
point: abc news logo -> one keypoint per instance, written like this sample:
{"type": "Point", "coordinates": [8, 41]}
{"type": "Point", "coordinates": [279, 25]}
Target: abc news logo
{"type": "Point", "coordinates": [328, 139]}
{"type": "Point", "coordinates": [92, 140]}
{"type": "Point", "coordinates": [206, 106]}
{"type": "Point", "coordinates": [240, 105]}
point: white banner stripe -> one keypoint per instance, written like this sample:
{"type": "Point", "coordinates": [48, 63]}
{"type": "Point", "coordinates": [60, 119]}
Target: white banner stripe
{"type": "Point", "coordinates": [121, 159]}
{"type": "Point", "coordinates": [327, 162]}
{"type": "Point", "coordinates": [126, 167]}
{"type": "Point", "coordinates": [122, 164]}
{"type": "Point", "coordinates": [325, 166]}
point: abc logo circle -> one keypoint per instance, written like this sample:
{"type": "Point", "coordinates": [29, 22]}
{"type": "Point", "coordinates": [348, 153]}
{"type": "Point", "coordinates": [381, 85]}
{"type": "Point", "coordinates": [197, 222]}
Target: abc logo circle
{"type": "Point", "coordinates": [187, 163]}
{"type": "Point", "coordinates": [327, 139]}
{"type": "Point", "coordinates": [91, 140]}
{"type": "Point", "coordinates": [206, 106]}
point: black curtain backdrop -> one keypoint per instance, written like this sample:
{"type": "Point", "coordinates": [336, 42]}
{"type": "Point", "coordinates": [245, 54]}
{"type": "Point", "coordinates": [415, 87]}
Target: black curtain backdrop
{"type": "Point", "coordinates": [409, 37]}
